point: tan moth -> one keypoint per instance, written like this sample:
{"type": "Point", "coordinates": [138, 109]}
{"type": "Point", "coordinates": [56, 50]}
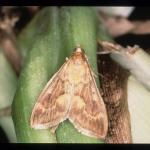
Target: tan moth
{"type": "Point", "coordinates": [72, 94]}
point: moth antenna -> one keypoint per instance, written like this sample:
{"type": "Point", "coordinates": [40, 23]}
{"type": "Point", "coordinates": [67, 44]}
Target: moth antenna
{"type": "Point", "coordinates": [101, 75]}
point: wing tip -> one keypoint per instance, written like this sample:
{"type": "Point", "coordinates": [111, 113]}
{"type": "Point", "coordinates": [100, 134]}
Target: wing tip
{"type": "Point", "coordinates": [89, 132]}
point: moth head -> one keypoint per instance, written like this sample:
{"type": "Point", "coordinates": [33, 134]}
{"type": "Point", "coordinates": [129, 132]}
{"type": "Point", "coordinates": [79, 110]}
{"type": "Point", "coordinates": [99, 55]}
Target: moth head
{"type": "Point", "coordinates": [79, 53]}
{"type": "Point", "coordinates": [79, 50]}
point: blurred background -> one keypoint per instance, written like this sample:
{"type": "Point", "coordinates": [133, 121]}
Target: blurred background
{"type": "Point", "coordinates": [23, 15]}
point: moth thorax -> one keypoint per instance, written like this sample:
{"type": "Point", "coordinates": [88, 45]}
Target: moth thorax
{"type": "Point", "coordinates": [76, 73]}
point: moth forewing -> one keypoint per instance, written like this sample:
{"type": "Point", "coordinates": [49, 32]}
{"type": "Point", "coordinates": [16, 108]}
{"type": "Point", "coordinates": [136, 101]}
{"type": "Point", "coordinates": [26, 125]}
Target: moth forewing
{"type": "Point", "coordinates": [46, 102]}
{"type": "Point", "coordinates": [72, 94]}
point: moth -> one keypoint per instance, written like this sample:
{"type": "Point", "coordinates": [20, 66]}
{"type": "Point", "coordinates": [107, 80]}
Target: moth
{"type": "Point", "coordinates": [72, 94]}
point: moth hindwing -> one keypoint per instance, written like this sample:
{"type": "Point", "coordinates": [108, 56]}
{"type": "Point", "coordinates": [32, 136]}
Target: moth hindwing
{"type": "Point", "coordinates": [72, 94]}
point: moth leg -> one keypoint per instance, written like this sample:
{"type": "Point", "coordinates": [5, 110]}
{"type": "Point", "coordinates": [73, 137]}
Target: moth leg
{"type": "Point", "coordinates": [94, 74]}
{"type": "Point", "coordinates": [98, 74]}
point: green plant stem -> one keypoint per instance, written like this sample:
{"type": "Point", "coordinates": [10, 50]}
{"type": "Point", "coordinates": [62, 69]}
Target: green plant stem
{"type": "Point", "coordinates": [27, 36]}
{"type": "Point", "coordinates": [79, 27]}
{"type": "Point", "coordinates": [41, 63]}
